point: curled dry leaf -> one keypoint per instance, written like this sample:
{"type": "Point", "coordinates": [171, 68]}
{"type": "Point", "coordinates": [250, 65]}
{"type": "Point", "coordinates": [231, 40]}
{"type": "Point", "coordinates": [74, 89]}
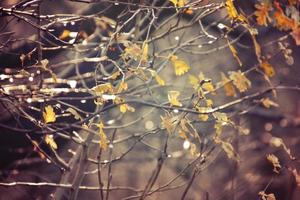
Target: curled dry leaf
{"type": "Point", "coordinates": [268, 68]}
{"type": "Point", "coordinates": [265, 196]}
{"type": "Point", "coordinates": [275, 162]}
{"type": "Point", "coordinates": [103, 138]}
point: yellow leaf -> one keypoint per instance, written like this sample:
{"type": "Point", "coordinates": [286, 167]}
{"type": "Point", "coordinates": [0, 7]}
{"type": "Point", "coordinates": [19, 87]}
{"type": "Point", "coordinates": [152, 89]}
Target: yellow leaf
{"type": "Point", "coordinates": [209, 102]}
{"type": "Point", "coordinates": [50, 141]}
{"type": "Point", "coordinates": [206, 83]}
{"type": "Point", "coordinates": [178, 3]}
{"type": "Point", "coordinates": [229, 150]}
{"type": "Point", "coordinates": [203, 117]}
{"type": "Point", "coordinates": [228, 86]}
{"type": "Point", "coordinates": [74, 113]}
{"type": "Point", "coordinates": [167, 123]}
{"type": "Point", "coordinates": [123, 86]}
{"type": "Point", "coordinates": [194, 81]}
{"type": "Point", "coordinates": [262, 14]}
{"type": "Point", "coordinates": [180, 66]}
{"type": "Point", "coordinates": [103, 88]}
{"type": "Point", "coordinates": [103, 138]}
{"type": "Point", "coordinates": [266, 102]}
{"type": "Point", "coordinates": [49, 114]}
{"type": "Point", "coordinates": [231, 10]}
{"type": "Point", "coordinates": [172, 96]}
{"type": "Point", "coordinates": [265, 196]}
{"type": "Point", "coordinates": [221, 117]}
{"type": "Point", "coordinates": [182, 134]}
{"type": "Point", "coordinates": [64, 34]}
{"type": "Point", "coordinates": [145, 52]}
{"type": "Point", "coordinates": [158, 79]}
{"type": "Point", "coordinates": [124, 107]}
{"type": "Point", "coordinates": [240, 80]}
{"type": "Point", "coordinates": [268, 69]}
{"type": "Point", "coordinates": [234, 52]}
{"type": "Point", "coordinates": [275, 162]}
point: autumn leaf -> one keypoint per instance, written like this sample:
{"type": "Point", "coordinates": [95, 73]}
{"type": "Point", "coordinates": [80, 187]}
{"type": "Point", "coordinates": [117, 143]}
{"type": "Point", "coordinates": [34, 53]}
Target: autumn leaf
{"type": "Point", "coordinates": [50, 141]}
{"type": "Point", "coordinates": [229, 150]}
{"type": "Point", "coordinates": [296, 35]}
{"type": "Point", "coordinates": [275, 162]}
{"type": "Point", "coordinates": [267, 68]}
{"type": "Point", "coordinates": [168, 122]}
{"type": "Point", "coordinates": [281, 20]}
{"type": "Point", "coordinates": [203, 117]}
{"type": "Point", "coordinates": [178, 3]}
{"type": "Point", "coordinates": [158, 79]}
{"type": "Point", "coordinates": [265, 196]}
{"type": "Point", "coordinates": [182, 134]}
{"type": "Point", "coordinates": [64, 34]}
{"type": "Point", "coordinates": [262, 14]}
{"type": "Point", "coordinates": [124, 107]}
{"type": "Point", "coordinates": [74, 113]}
{"type": "Point", "coordinates": [135, 52]}
{"type": "Point", "coordinates": [266, 102]}
{"type": "Point", "coordinates": [122, 86]}
{"type": "Point", "coordinates": [231, 10]}
{"type": "Point", "coordinates": [49, 114]}
{"type": "Point", "coordinates": [240, 80]}
{"type": "Point", "coordinates": [278, 142]}
{"type": "Point", "coordinates": [194, 81]}
{"type": "Point", "coordinates": [234, 53]}
{"type": "Point", "coordinates": [206, 83]}
{"type": "Point", "coordinates": [228, 86]}
{"type": "Point", "coordinates": [180, 66]}
{"type": "Point", "coordinates": [103, 138]}
{"type": "Point", "coordinates": [172, 97]}
{"type": "Point", "coordinates": [103, 88]}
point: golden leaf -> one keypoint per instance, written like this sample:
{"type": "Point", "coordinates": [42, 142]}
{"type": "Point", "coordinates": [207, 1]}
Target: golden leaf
{"type": "Point", "coordinates": [158, 79]}
{"type": "Point", "coordinates": [228, 86]}
{"type": "Point", "coordinates": [240, 80]}
{"type": "Point", "coordinates": [262, 14]}
{"type": "Point", "coordinates": [206, 83]}
{"type": "Point", "coordinates": [296, 35]}
{"type": "Point", "coordinates": [194, 81]}
{"type": "Point", "coordinates": [221, 117]}
{"type": "Point", "coordinates": [49, 114]}
{"type": "Point", "coordinates": [124, 107]}
{"type": "Point", "coordinates": [275, 162]}
{"type": "Point", "coordinates": [282, 21]}
{"type": "Point", "coordinates": [74, 113]}
{"type": "Point", "coordinates": [182, 135]}
{"type": "Point", "coordinates": [266, 102]}
{"type": "Point", "coordinates": [172, 97]}
{"type": "Point", "coordinates": [167, 123]}
{"type": "Point", "coordinates": [103, 138]}
{"type": "Point", "coordinates": [234, 53]}
{"type": "Point", "coordinates": [229, 150]}
{"type": "Point", "coordinates": [178, 3]}
{"type": "Point", "coordinates": [144, 56]}
{"type": "Point", "coordinates": [64, 34]}
{"type": "Point", "coordinates": [265, 196]}
{"type": "Point", "coordinates": [180, 66]}
{"type": "Point", "coordinates": [231, 10]}
{"type": "Point", "coordinates": [268, 69]}
{"type": "Point", "coordinates": [122, 86]}
{"type": "Point", "coordinates": [103, 88]}
{"type": "Point", "coordinates": [203, 117]}
{"type": "Point", "coordinates": [50, 141]}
